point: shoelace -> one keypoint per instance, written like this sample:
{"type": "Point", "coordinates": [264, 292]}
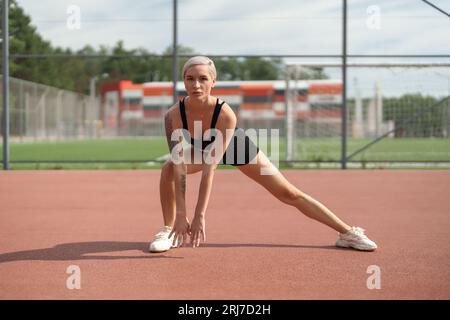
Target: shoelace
{"type": "Point", "coordinates": [359, 232]}
{"type": "Point", "coordinates": [162, 235]}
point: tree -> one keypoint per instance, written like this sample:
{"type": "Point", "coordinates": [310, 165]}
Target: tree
{"type": "Point", "coordinates": [23, 38]}
{"type": "Point", "coordinates": [138, 65]}
{"type": "Point", "coordinates": [415, 115]}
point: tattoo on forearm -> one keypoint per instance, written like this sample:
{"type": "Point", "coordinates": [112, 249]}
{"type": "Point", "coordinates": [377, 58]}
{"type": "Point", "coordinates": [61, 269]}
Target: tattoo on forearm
{"type": "Point", "coordinates": [183, 184]}
{"type": "Point", "coordinates": [169, 129]}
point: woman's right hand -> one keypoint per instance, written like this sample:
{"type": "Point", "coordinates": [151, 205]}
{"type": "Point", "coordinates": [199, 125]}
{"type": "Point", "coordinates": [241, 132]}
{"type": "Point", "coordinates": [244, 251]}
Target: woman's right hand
{"type": "Point", "coordinates": [181, 230]}
{"type": "Point", "coordinates": [198, 230]}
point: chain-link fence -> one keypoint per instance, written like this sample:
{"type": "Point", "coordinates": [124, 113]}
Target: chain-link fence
{"type": "Point", "coordinates": [43, 113]}
{"type": "Point", "coordinates": [394, 114]}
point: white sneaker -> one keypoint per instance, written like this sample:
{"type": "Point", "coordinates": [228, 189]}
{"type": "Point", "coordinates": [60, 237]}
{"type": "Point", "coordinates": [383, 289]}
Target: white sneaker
{"type": "Point", "coordinates": [355, 238]}
{"type": "Point", "coordinates": [162, 242]}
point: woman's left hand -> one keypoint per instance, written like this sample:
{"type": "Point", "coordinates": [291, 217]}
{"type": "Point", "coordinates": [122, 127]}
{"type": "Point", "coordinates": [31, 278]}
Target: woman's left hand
{"type": "Point", "coordinates": [198, 230]}
{"type": "Point", "coordinates": [180, 230]}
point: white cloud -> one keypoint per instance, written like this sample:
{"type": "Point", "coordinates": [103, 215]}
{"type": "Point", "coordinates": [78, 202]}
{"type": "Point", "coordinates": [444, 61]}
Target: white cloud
{"type": "Point", "coordinates": [407, 27]}
{"type": "Point", "coordinates": [250, 27]}
{"type": "Point", "coordinates": [259, 27]}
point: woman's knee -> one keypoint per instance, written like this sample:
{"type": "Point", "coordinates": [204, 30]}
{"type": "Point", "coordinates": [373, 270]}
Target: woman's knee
{"type": "Point", "coordinates": [291, 196]}
{"type": "Point", "coordinates": [167, 169]}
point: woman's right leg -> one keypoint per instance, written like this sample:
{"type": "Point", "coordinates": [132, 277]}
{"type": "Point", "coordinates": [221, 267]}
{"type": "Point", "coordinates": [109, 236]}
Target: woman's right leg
{"type": "Point", "coordinates": [162, 242]}
{"type": "Point", "coordinates": [167, 188]}
{"type": "Point", "coordinates": [167, 193]}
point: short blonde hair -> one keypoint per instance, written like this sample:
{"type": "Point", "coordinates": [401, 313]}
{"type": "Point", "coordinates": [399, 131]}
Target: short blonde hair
{"type": "Point", "coordinates": [200, 60]}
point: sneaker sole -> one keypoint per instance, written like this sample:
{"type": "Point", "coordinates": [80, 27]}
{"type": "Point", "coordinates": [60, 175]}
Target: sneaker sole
{"type": "Point", "coordinates": [345, 244]}
{"type": "Point", "coordinates": [158, 251]}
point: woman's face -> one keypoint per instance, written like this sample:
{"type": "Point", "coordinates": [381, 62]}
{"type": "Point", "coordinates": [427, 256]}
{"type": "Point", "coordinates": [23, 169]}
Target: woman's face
{"type": "Point", "coordinates": [198, 82]}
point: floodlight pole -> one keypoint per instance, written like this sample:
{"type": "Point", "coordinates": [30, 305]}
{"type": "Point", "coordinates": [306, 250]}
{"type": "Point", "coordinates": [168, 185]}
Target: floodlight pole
{"type": "Point", "coordinates": [5, 84]}
{"type": "Point", "coordinates": [175, 52]}
{"type": "Point", "coordinates": [344, 86]}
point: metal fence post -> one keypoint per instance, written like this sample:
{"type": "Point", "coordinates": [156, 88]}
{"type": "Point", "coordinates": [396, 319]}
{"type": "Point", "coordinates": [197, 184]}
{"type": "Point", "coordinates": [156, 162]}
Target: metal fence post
{"type": "Point", "coordinates": [344, 86]}
{"type": "Point", "coordinates": [175, 52]}
{"type": "Point", "coordinates": [5, 84]}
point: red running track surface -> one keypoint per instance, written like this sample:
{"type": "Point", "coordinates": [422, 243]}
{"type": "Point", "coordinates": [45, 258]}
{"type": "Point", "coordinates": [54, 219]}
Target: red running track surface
{"type": "Point", "coordinates": [257, 247]}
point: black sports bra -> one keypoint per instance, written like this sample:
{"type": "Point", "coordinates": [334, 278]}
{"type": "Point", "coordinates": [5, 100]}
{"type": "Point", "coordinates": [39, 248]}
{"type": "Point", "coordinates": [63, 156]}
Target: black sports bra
{"type": "Point", "coordinates": [204, 143]}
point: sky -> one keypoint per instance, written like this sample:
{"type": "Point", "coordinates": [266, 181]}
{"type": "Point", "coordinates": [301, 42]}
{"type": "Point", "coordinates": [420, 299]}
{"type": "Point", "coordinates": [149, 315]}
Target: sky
{"type": "Point", "coordinates": [222, 27]}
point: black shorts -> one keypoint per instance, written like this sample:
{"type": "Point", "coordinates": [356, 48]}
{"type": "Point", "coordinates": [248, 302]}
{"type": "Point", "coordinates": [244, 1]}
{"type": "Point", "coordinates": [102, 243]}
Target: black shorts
{"type": "Point", "coordinates": [241, 150]}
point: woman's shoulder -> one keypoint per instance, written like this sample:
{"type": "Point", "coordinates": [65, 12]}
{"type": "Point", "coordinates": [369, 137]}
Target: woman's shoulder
{"type": "Point", "coordinates": [225, 106]}
{"type": "Point", "coordinates": [173, 108]}
{"type": "Point", "coordinates": [172, 113]}
{"type": "Point", "coordinates": [226, 113]}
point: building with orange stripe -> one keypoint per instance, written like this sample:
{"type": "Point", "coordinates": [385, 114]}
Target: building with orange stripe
{"type": "Point", "coordinates": [126, 104]}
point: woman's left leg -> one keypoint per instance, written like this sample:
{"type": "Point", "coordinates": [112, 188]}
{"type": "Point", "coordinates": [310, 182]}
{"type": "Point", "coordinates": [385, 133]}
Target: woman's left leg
{"type": "Point", "coordinates": [283, 190]}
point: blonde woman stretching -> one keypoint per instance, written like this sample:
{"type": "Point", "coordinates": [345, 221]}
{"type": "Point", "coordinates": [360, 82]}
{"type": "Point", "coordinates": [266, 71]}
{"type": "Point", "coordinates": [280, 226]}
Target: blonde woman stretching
{"type": "Point", "coordinates": [208, 112]}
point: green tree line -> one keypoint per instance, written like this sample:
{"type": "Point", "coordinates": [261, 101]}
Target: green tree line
{"type": "Point", "coordinates": [413, 115]}
{"type": "Point", "coordinates": [74, 71]}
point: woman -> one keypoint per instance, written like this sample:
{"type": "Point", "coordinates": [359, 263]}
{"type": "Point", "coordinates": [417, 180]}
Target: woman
{"type": "Point", "coordinates": [199, 75]}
